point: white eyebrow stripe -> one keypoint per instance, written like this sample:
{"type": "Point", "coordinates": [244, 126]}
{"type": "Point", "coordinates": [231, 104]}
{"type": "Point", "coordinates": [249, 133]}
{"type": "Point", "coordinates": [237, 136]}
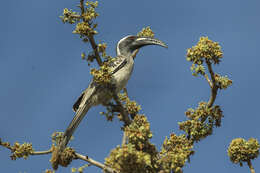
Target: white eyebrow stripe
{"type": "Point", "coordinates": [120, 41]}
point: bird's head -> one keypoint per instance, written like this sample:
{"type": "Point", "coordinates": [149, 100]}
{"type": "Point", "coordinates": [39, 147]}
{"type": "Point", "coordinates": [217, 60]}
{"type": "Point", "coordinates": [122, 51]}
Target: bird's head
{"type": "Point", "coordinates": [130, 43]}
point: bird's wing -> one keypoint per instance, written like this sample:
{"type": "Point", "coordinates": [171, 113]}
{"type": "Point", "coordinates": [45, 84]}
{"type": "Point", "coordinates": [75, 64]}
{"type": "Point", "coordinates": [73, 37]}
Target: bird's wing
{"type": "Point", "coordinates": [81, 107]}
{"type": "Point", "coordinates": [118, 63]}
{"type": "Point", "coordinates": [77, 103]}
{"type": "Point", "coordinates": [87, 93]}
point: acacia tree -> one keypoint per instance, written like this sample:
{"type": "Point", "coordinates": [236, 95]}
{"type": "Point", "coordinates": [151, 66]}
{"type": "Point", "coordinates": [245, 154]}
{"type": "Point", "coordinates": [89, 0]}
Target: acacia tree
{"type": "Point", "coordinates": [137, 153]}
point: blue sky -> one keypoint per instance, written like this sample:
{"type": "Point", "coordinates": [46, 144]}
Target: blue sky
{"type": "Point", "coordinates": [42, 74]}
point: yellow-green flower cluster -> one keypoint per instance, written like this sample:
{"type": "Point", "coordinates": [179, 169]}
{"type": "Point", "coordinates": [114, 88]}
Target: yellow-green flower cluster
{"type": "Point", "coordinates": [102, 49]}
{"type": "Point", "coordinates": [109, 114]}
{"type": "Point", "coordinates": [241, 150]}
{"type": "Point", "coordinates": [21, 150]}
{"type": "Point", "coordinates": [201, 121]}
{"type": "Point", "coordinates": [128, 159]}
{"type": "Point", "coordinates": [197, 69]}
{"type": "Point", "coordinates": [84, 29]}
{"type": "Point", "coordinates": [138, 131]}
{"type": "Point", "coordinates": [49, 171]}
{"type": "Point", "coordinates": [83, 55]}
{"type": "Point", "coordinates": [207, 49]}
{"type": "Point", "coordinates": [102, 76]}
{"type": "Point", "coordinates": [92, 4]}
{"type": "Point", "coordinates": [90, 13]}
{"type": "Point", "coordinates": [146, 32]}
{"type": "Point", "coordinates": [174, 153]}
{"type": "Point", "coordinates": [80, 169]}
{"type": "Point", "coordinates": [139, 134]}
{"type": "Point", "coordinates": [69, 16]}
{"type": "Point", "coordinates": [67, 156]}
{"type": "Point", "coordinates": [90, 57]}
{"type": "Point", "coordinates": [204, 50]}
{"type": "Point", "coordinates": [139, 155]}
{"type": "Point", "coordinates": [132, 107]}
{"type": "Point", "coordinates": [223, 82]}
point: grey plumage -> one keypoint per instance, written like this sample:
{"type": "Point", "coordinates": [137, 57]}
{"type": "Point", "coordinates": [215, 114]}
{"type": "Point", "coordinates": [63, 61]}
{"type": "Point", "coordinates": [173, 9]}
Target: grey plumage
{"type": "Point", "coordinates": [121, 68]}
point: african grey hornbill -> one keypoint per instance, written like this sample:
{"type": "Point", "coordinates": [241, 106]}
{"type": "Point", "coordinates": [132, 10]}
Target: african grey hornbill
{"type": "Point", "coordinates": [121, 69]}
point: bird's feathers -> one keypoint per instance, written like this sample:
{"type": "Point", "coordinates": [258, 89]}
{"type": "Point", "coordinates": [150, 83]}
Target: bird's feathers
{"type": "Point", "coordinates": [115, 65]}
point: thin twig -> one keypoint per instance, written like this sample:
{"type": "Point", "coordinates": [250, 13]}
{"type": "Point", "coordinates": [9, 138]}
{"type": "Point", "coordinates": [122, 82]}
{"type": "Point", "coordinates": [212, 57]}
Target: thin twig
{"type": "Point", "coordinates": [94, 47]}
{"type": "Point", "coordinates": [8, 146]}
{"type": "Point", "coordinates": [31, 153]}
{"type": "Point", "coordinates": [82, 7]}
{"type": "Point", "coordinates": [124, 139]}
{"type": "Point", "coordinates": [208, 80]}
{"type": "Point", "coordinates": [91, 37]}
{"type": "Point", "coordinates": [41, 152]}
{"type": "Point", "coordinates": [125, 116]}
{"type": "Point", "coordinates": [125, 90]}
{"type": "Point", "coordinates": [214, 88]}
{"type": "Point", "coordinates": [75, 16]}
{"type": "Point", "coordinates": [250, 166]}
{"type": "Point", "coordinates": [96, 163]}
{"type": "Point", "coordinates": [118, 108]}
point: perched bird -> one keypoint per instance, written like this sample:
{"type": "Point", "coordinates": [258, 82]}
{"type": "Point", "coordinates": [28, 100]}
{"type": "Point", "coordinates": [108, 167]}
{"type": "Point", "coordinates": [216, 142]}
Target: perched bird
{"type": "Point", "coordinates": [121, 69]}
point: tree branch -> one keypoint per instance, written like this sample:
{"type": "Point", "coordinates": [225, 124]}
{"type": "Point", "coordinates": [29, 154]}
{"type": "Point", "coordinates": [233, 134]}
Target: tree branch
{"type": "Point", "coordinates": [214, 87]}
{"type": "Point", "coordinates": [96, 163]}
{"type": "Point", "coordinates": [81, 6]}
{"type": "Point", "coordinates": [94, 47]}
{"type": "Point", "coordinates": [78, 156]}
{"type": "Point", "coordinates": [124, 139]}
{"type": "Point", "coordinates": [75, 16]}
{"type": "Point", "coordinates": [8, 146]}
{"type": "Point", "coordinates": [41, 152]}
{"type": "Point", "coordinates": [250, 166]}
{"type": "Point", "coordinates": [125, 116]}
{"type": "Point", "coordinates": [91, 37]}
{"type": "Point", "coordinates": [208, 80]}
{"type": "Point", "coordinates": [125, 90]}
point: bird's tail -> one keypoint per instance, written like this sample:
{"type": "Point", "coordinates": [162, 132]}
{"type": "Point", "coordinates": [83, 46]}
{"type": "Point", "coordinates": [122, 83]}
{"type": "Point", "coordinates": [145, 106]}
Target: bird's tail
{"type": "Point", "coordinates": [83, 104]}
{"type": "Point", "coordinates": [80, 114]}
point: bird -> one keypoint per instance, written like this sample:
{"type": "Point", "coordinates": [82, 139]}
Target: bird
{"type": "Point", "coordinates": [121, 69]}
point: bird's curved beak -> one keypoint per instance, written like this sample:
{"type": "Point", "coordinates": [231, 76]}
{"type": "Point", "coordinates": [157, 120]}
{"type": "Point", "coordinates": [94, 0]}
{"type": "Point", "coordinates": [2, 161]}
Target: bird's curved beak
{"type": "Point", "coordinates": [143, 41]}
